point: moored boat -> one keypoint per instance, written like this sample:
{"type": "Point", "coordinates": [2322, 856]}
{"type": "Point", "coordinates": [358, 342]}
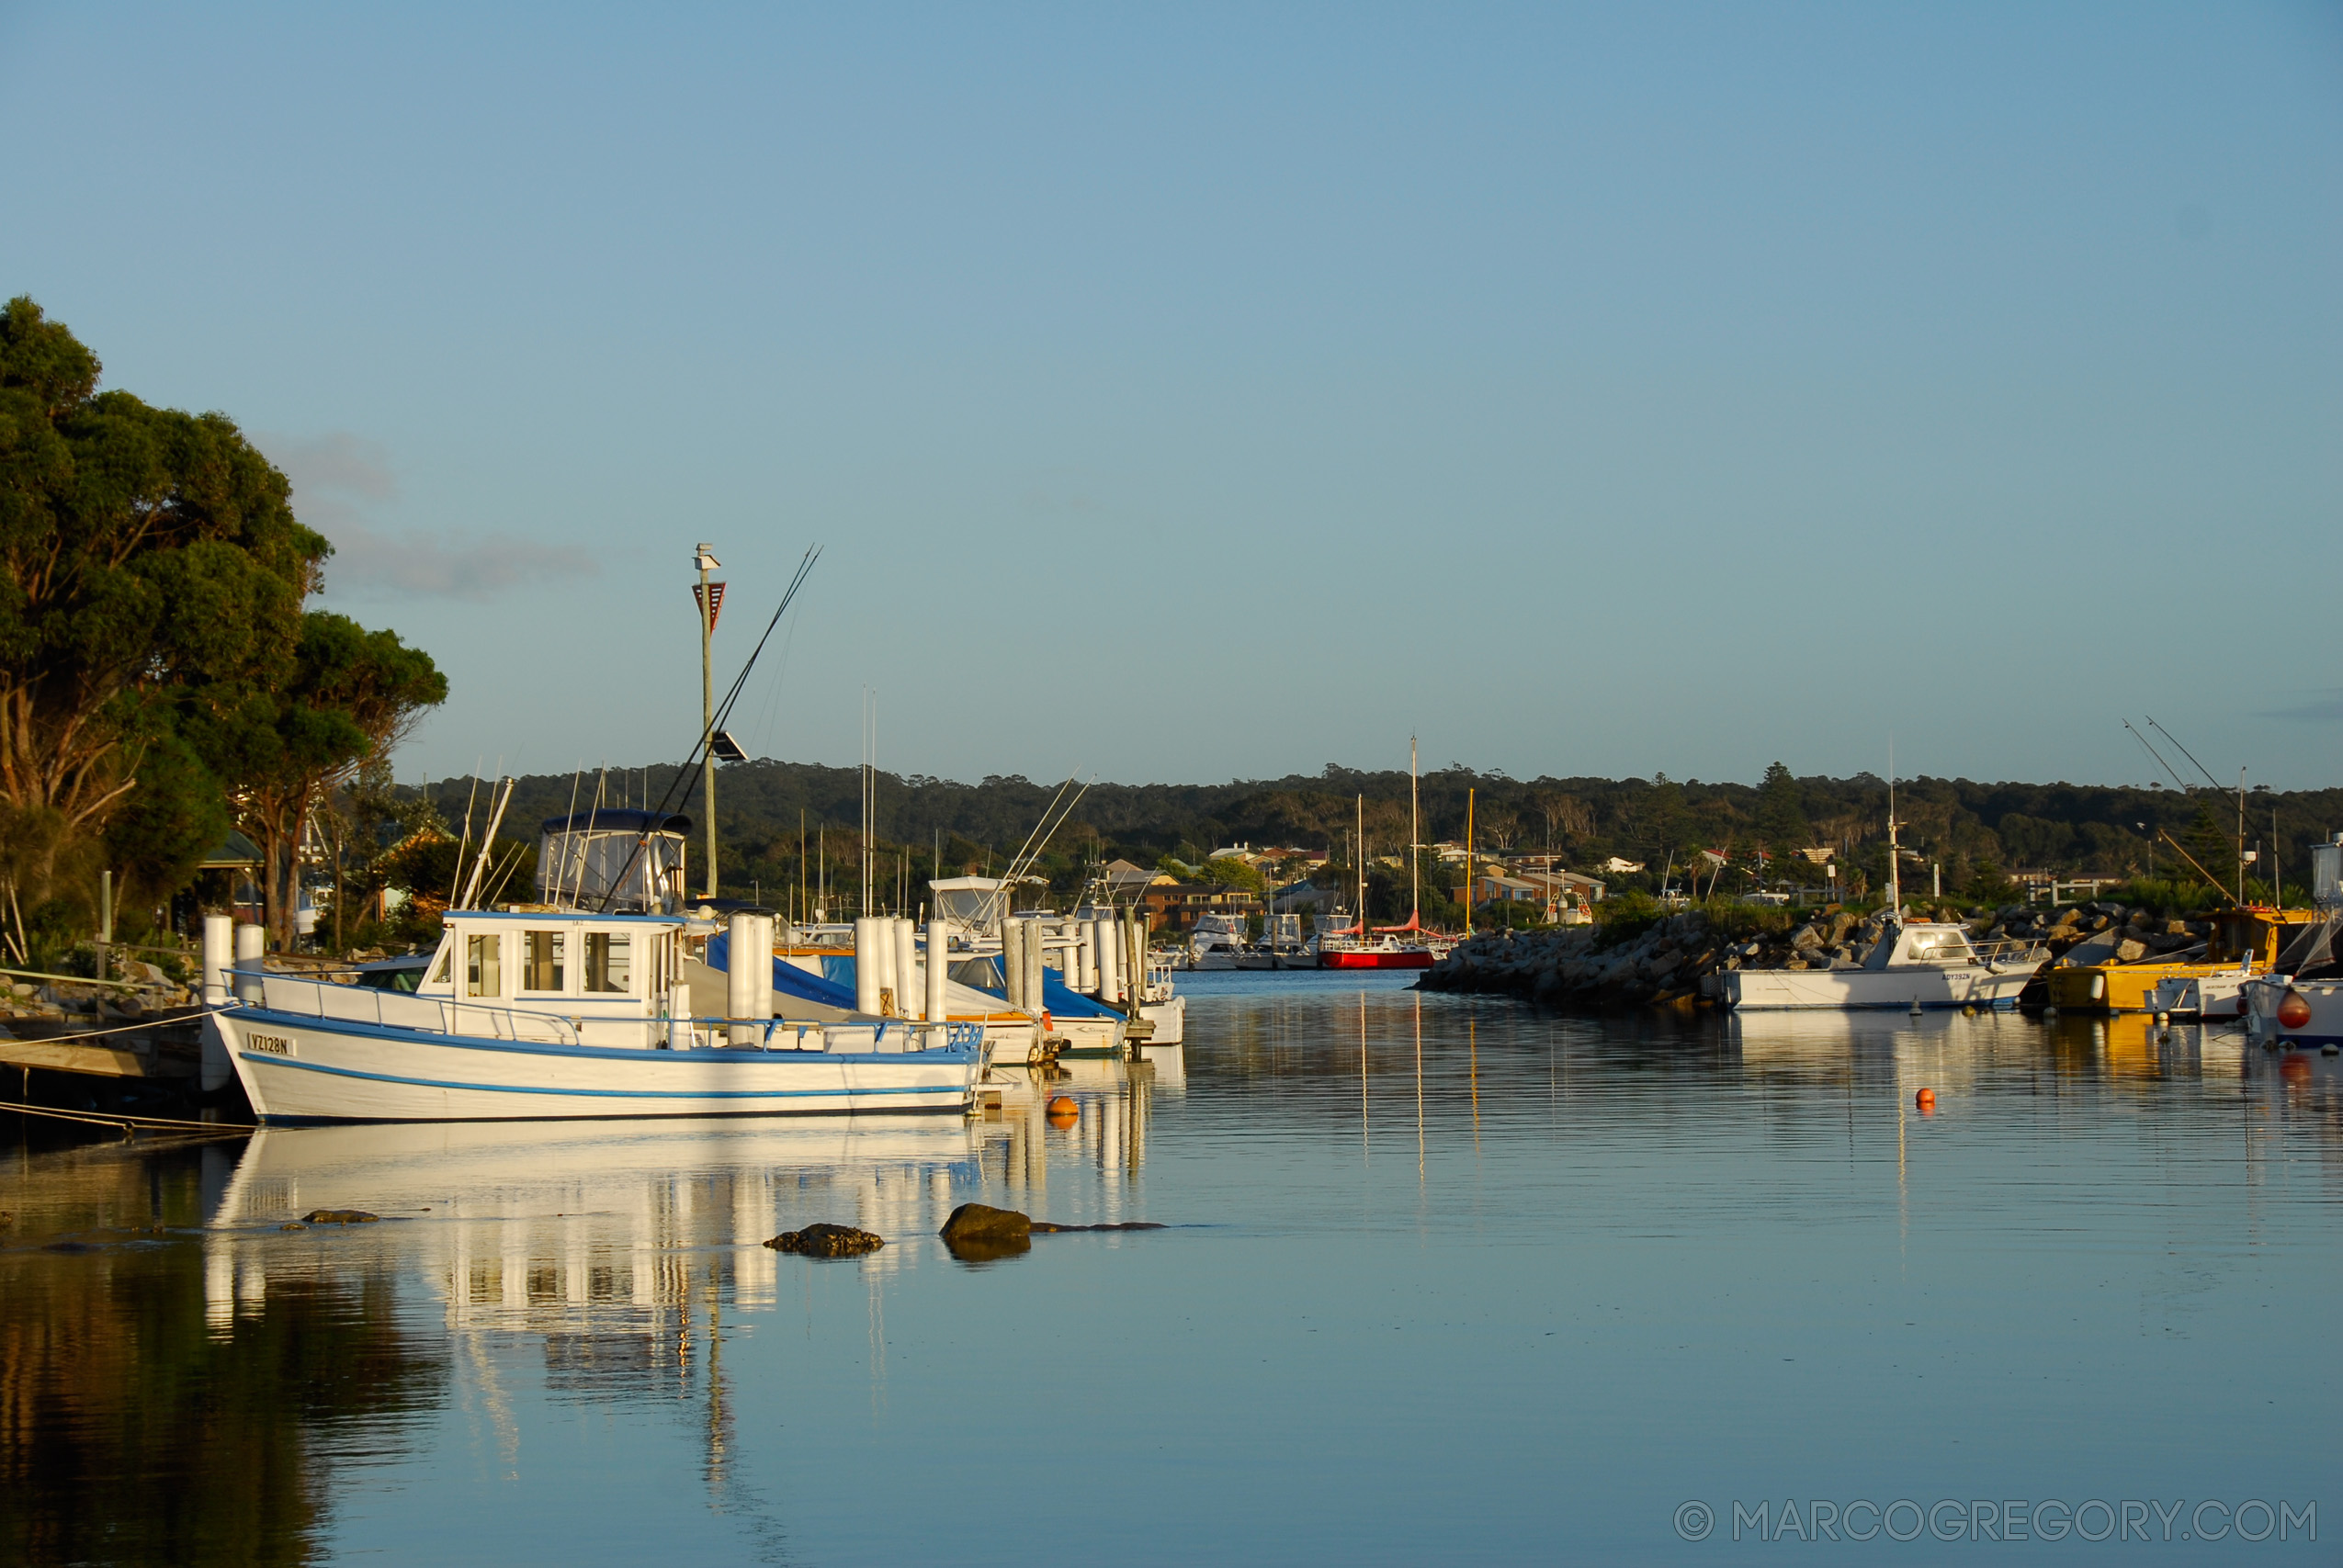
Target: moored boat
{"type": "Point", "coordinates": [1916, 965]}
{"type": "Point", "coordinates": [538, 1014]}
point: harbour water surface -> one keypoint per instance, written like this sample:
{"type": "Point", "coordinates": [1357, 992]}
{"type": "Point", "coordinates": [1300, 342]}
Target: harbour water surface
{"type": "Point", "coordinates": [1446, 1280]}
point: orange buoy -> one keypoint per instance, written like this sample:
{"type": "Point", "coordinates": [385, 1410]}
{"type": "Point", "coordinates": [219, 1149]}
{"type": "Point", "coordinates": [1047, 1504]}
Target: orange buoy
{"type": "Point", "coordinates": [1924, 1099]}
{"type": "Point", "coordinates": [1063, 1111]}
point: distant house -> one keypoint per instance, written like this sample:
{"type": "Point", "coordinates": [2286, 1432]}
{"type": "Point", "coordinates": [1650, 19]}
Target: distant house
{"type": "Point", "coordinates": [1491, 888]}
{"type": "Point", "coordinates": [1303, 895]}
{"type": "Point", "coordinates": [1122, 878]}
{"type": "Point", "coordinates": [1617, 866]}
{"type": "Point", "coordinates": [1174, 906]}
{"type": "Point", "coordinates": [1565, 886]}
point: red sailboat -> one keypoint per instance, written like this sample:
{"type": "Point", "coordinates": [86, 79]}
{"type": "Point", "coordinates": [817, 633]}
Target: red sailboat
{"type": "Point", "coordinates": [1386, 947]}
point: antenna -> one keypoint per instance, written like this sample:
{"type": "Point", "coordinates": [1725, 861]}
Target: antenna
{"type": "Point", "coordinates": [723, 714]}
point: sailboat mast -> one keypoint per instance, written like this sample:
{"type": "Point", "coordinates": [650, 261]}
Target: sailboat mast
{"type": "Point", "coordinates": [1415, 850]}
{"type": "Point", "coordinates": [1361, 858]}
{"type": "Point", "coordinates": [1894, 854]}
{"type": "Point", "coordinates": [1468, 862]}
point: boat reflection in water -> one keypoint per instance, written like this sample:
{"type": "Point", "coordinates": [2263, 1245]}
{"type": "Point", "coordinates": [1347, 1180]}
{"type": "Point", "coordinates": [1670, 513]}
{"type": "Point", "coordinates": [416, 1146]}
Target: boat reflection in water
{"type": "Point", "coordinates": [1107, 1131]}
{"type": "Point", "coordinates": [1948, 1051]}
{"type": "Point", "coordinates": [550, 1224]}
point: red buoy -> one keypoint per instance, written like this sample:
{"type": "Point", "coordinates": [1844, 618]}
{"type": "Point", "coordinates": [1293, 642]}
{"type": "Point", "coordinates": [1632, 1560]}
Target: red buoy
{"type": "Point", "coordinates": [1924, 1099]}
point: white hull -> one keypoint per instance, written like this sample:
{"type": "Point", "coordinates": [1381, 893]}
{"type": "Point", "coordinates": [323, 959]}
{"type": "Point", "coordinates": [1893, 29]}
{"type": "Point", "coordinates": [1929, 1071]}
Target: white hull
{"type": "Point", "coordinates": [1958, 986]}
{"type": "Point", "coordinates": [2201, 996]}
{"type": "Point", "coordinates": [299, 1068]}
{"type": "Point", "coordinates": [1170, 1021]}
{"type": "Point", "coordinates": [2324, 1029]}
{"type": "Point", "coordinates": [1087, 1037]}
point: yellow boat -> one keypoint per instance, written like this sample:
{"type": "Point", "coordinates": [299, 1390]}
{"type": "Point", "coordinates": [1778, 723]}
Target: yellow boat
{"type": "Point", "coordinates": [2251, 935]}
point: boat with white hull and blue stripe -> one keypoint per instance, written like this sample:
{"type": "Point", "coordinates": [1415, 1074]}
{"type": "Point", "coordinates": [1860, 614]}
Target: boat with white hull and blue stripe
{"type": "Point", "coordinates": [540, 1012]}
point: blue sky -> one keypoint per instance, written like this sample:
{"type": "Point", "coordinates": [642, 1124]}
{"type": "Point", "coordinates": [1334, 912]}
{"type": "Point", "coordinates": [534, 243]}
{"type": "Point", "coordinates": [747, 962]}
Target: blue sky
{"type": "Point", "coordinates": [1200, 392]}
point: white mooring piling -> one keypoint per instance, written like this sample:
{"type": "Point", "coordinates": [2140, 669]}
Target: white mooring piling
{"type": "Point", "coordinates": [905, 936]}
{"type": "Point", "coordinates": [866, 965]}
{"type": "Point", "coordinates": [740, 980]}
{"type": "Point", "coordinates": [251, 952]}
{"type": "Point", "coordinates": [939, 967]}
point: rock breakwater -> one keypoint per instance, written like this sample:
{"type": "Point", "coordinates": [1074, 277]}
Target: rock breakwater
{"type": "Point", "coordinates": [1663, 962]}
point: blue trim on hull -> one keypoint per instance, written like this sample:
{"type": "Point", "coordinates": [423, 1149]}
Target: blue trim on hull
{"type": "Point", "coordinates": [271, 1059]}
{"type": "Point", "coordinates": [351, 1027]}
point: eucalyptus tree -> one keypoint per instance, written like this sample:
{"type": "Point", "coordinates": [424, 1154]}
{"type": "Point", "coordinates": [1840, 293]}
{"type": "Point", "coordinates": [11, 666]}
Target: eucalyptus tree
{"type": "Point", "coordinates": [152, 576]}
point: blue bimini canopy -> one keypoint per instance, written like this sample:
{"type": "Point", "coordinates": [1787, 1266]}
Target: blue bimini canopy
{"type": "Point", "coordinates": [1060, 1000]}
{"type": "Point", "coordinates": [788, 980]}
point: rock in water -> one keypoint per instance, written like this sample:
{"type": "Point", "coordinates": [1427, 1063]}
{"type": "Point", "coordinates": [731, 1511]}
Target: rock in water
{"type": "Point", "coordinates": [979, 1222]}
{"type": "Point", "coordinates": [827, 1241]}
{"type": "Point", "coordinates": [978, 1233]}
{"type": "Point", "coordinates": [339, 1217]}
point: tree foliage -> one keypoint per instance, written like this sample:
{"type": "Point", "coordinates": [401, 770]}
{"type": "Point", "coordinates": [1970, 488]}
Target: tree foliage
{"type": "Point", "coordinates": [155, 657]}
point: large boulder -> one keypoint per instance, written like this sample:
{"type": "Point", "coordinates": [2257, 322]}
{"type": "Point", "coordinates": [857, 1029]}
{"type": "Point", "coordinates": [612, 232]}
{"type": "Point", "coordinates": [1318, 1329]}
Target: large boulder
{"type": "Point", "coordinates": [826, 1240]}
{"type": "Point", "coordinates": [978, 1233]}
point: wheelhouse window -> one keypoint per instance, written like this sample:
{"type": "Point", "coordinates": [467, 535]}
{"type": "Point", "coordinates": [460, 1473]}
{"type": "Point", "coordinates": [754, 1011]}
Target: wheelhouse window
{"type": "Point", "coordinates": [541, 954]}
{"type": "Point", "coordinates": [609, 962]}
{"type": "Point", "coordinates": [484, 975]}
{"type": "Point", "coordinates": [446, 961]}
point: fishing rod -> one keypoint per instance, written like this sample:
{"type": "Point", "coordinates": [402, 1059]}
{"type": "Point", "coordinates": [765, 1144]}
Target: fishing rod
{"type": "Point", "coordinates": [716, 726]}
{"type": "Point", "coordinates": [2215, 783]}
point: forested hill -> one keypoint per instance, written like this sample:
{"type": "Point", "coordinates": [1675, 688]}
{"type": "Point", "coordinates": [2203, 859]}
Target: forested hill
{"type": "Point", "coordinates": [2060, 827]}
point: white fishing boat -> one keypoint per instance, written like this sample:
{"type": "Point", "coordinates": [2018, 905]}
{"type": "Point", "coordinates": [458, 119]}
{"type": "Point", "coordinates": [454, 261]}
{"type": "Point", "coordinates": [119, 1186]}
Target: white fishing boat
{"type": "Point", "coordinates": [534, 1013]}
{"type": "Point", "coordinates": [594, 1002]}
{"type": "Point", "coordinates": [1919, 964]}
{"type": "Point", "coordinates": [1074, 970]}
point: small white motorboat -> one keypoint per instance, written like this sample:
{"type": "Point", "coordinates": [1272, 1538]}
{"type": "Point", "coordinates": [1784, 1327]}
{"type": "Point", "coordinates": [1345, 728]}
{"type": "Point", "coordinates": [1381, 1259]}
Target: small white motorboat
{"type": "Point", "coordinates": [1216, 942]}
{"type": "Point", "coordinates": [1919, 964]}
{"type": "Point", "coordinates": [2206, 997]}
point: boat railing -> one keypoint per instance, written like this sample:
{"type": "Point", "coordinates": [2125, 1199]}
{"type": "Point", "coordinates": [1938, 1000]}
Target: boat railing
{"type": "Point", "coordinates": [1994, 954]}
{"type": "Point", "coordinates": [883, 1036]}
{"type": "Point", "coordinates": [403, 1010]}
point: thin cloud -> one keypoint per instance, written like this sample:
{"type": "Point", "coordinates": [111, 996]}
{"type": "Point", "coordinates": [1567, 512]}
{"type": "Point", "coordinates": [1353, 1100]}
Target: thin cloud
{"type": "Point", "coordinates": [337, 475]}
{"type": "Point", "coordinates": [2321, 710]}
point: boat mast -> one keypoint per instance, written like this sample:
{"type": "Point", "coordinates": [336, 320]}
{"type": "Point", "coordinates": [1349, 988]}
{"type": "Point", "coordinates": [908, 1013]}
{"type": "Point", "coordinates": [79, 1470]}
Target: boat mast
{"type": "Point", "coordinates": [1415, 893]}
{"type": "Point", "coordinates": [705, 561]}
{"type": "Point", "coordinates": [1361, 857]}
{"type": "Point", "coordinates": [1468, 862]}
{"type": "Point", "coordinates": [1894, 854]}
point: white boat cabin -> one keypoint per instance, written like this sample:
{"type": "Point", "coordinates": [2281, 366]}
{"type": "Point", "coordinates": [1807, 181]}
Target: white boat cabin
{"type": "Point", "coordinates": [606, 975]}
{"type": "Point", "coordinates": [1934, 944]}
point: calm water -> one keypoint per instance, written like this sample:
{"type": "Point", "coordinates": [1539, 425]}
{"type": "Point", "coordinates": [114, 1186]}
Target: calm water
{"type": "Point", "coordinates": [1450, 1282]}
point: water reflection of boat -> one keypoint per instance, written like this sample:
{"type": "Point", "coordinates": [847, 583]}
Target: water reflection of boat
{"type": "Point", "coordinates": [1115, 1101]}
{"type": "Point", "coordinates": [547, 1224]}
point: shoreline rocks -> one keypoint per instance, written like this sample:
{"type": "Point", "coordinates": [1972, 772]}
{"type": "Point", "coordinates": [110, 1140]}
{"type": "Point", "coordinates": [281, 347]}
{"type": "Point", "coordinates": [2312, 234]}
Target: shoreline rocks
{"type": "Point", "coordinates": [1667, 964]}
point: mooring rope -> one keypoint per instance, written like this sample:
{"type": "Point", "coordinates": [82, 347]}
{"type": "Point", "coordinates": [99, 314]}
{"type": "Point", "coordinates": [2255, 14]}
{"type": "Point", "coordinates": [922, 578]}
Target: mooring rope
{"type": "Point", "coordinates": [6, 1038]}
{"type": "Point", "coordinates": [127, 1122]}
